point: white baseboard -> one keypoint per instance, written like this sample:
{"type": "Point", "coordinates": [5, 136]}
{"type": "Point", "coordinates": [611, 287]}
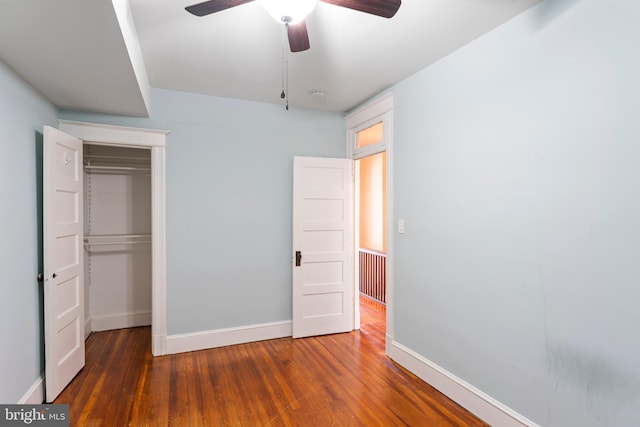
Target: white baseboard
{"type": "Point", "coordinates": [35, 394]}
{"type": "Point", "coordinates": [119, 321]}
{"type": "Point", "coordinates": [475, 401]}
{"type": "Point", "coordinates": [181, 343]}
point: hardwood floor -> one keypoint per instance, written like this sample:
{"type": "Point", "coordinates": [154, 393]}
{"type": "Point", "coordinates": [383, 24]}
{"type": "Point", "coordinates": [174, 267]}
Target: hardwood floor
{"type": "Point", "coordinates": [333, 380]}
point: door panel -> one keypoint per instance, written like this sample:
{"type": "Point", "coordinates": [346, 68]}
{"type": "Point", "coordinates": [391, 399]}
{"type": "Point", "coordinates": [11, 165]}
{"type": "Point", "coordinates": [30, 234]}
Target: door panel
{"type": "Point", "coordinates": [63, 260]}
{"type": "Point", "coordinates": [323, 289]}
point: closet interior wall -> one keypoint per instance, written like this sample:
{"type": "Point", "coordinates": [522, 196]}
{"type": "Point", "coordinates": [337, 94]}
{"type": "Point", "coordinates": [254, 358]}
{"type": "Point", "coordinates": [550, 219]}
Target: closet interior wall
{"type": "Point", "coordinates": [117, 241]}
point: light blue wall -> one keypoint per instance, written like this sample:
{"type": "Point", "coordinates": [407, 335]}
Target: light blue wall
{"type": "Point", "coordinates": [517, 171]}
{"type": "Point", "coordinates": [229, 200]}
{"type": "Point", "coordinates": [23, 113]}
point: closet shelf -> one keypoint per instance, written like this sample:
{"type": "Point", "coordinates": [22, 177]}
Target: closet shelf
{"type": "Point", "coordinates": [118, 163]}
{"type": "Point", "coordinates": [116, 169]}
{"type": "Point", "coordinates": [116, 239]}
{"type": "Point", "coordinates": [102, 157]}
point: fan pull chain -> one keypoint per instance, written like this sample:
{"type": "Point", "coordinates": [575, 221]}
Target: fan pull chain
{"type": "Point", "coordinates": [285, 67]}
{"type": "Point", "coordinates": [282, 95]}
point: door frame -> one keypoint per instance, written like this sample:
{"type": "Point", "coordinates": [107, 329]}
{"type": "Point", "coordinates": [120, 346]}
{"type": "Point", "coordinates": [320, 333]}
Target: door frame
{"type": "Point", "coordinates": [155, 140]}
{"type": "Point", "coordinates": [378, 110]}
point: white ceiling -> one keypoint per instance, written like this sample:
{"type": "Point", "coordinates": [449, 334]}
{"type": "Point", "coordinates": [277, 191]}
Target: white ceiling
{"type": "Point", "coordinates": [74, 53]}
{"type": "Point", "coordinates": [85, 54]}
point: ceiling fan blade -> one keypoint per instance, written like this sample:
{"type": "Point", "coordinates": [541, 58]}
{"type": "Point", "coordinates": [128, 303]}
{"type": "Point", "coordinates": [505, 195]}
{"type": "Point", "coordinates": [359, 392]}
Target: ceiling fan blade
{"type": "Point", "coordinates": [298, 37]}
{"type": "Point", "coordinates": [213, 6]}
{"type": "Point", "coordinates": [383, 8]}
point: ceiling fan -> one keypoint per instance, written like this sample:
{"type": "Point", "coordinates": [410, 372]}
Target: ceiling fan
{"type": "Point", "coordinates": [293, 12]}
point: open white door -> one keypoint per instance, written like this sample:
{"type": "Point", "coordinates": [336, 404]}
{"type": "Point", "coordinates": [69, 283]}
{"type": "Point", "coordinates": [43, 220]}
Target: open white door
{"type": "Point", "coordinates": [63, 265]}
{"type": "Point", "coordinates": [323, 289]}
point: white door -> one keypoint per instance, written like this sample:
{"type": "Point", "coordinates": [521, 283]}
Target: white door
{"type": "Point", "coordinates": [323, 288]}
{"type": "Point", "coordinates": [63, 264]}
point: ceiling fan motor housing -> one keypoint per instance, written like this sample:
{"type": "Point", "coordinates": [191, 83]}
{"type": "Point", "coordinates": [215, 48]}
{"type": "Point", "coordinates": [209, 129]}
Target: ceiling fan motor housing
{"type": "Point", "coordinates": [288, 11]}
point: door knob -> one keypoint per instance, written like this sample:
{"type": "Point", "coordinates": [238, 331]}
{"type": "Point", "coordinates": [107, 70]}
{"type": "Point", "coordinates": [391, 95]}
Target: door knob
{"type": "Point", "coordinates": [54, 275]}
{"type": "Point", "coordinates": [298, 258]}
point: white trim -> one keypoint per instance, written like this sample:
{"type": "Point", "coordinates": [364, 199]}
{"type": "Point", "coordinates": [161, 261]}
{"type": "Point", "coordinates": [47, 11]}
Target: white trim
{"type": "Point", "coordinates": [356, 240]}
{"type": "Point", "coordinates": [158, 251]}
{"type": "Point", "coordinates": [389, 300]}
{"type": "Point", "coordinates": [114, 135]}
{"type": "Point", "coordinates": [35, 394]}
{"type": "Point", "coordinates": [121, 320]}
{"type": "Point", "coordinates": [181, 343]}
{"type": "Point", "coordinates": [475, 401]}
{"type": "Point", "coordinates": [155, 139]}
{"type": "Point", "coordinates": [370, 109]}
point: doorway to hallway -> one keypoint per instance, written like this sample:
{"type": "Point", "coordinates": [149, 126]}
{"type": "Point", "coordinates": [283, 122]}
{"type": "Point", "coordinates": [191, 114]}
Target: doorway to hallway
{"type": "Point", "coordinates": [371, 226]}
{"type": "Point", "coordinates": [370, 135]}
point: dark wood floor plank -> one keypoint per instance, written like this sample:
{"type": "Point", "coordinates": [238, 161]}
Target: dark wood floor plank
{"type": "Point", "coordinates": [339, 380]}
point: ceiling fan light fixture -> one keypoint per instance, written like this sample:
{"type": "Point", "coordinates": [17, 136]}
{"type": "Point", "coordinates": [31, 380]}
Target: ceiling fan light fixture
{"type": "Point", "coordinates": [289, 11]}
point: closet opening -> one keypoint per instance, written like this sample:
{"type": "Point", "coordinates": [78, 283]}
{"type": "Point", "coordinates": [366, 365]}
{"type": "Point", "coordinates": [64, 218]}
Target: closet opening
{"type": "Point", "coordinates": [117, 237]}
